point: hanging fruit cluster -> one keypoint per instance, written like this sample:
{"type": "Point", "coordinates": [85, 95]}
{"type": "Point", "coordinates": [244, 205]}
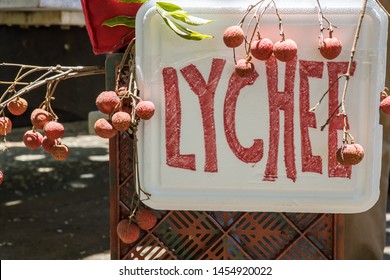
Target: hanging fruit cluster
{"type": "Point", "coordinates": [123, 108]}
{"type": "Point", "coordinates": [46, 130]}
{"type": "Point", "coordinates": [262, 48]}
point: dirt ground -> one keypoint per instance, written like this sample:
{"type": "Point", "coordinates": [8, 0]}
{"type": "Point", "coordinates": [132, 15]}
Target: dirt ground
{"type": "Point", "coordinates": [55, 209]}
{"type": "Point", "coordinates": [60, 210]}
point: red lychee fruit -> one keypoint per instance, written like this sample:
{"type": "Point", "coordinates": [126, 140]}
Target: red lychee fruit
{"type": "Point", "coordinates": [233, 36]}
{"type": "Point", "coordinates": [350, 154]}
{"type": "Point", "coordinates": [127, 231]}
{"type": "Point", "coordinates": [17, 106]}
{"type": "Point", "coordinates": [5, 126]}
{"type": "Point", "coordinates": [385, 105]}
{"type": "Point", "coordinates": [144, 110]}
{"type": "Point", "coordinates": [285, 50]}
{"type": "Point", "coordinates": [47, 144]}
{"type": "Point", "coordinates": [244, 68]}
{"type": "Point", "coordinates": [60, 152]}
{"type": "Point", "coordinates": [104, 128]}
{"type": "Point", "coordinates": [40, 117]}
{"type": "Point", "coordinates": [107, 102]}
{"type": "Point", "coordinates": [53, 130]}
{"type": "Point", "coordinates": [1, 177]}
{"type": "Point", "coordinates": [262, 49]}
{"type": "Point", "coordinates": [32, 139]}
{"type": "Point", "coordinates": [146, 219]}
{"type": "Point", "coordinates": [330, 48]}
{"type": "Point", "coordinates": [121, 121]}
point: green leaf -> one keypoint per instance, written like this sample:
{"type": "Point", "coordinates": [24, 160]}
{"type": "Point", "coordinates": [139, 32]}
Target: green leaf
{"type": "Point", "coordinates": [176, 12]}
{"type": "Point", "coordinates": [169, 7]}
{"type": "Point", "coordinates": [185, 32]}
{"type": "Point", "coordinates": [186, 18]}
{"type": "Point", "coordinates": [133, 1]}
{"type": "Point", "coordinates": [120, 20]}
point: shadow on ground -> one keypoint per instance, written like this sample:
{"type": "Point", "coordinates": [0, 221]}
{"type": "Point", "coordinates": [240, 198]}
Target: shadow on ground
{"type": "Point", "coordinates": [55, 209]}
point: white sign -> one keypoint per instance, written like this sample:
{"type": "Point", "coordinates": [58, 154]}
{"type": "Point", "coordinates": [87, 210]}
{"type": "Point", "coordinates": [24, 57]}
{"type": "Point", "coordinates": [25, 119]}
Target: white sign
{"type": "Point", "coordinates": [222, 142]}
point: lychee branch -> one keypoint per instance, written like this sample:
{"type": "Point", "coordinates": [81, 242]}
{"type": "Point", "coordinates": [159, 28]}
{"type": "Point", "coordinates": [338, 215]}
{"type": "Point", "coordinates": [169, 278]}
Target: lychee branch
{"type": "Point", "coordinates": [63, 73]}
{"type": "Point", "coordinates": [130, 89]}
{"type": "Point", "coordinates": [348, 74]}
{"type": "Point", "coordinates": [347, 77]}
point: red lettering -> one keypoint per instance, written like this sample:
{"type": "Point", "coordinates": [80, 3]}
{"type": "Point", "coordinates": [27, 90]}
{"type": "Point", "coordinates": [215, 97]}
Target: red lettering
{"type": "Point", "coordinates": [173, 122]}
{"type": "Point", "coordinates": [308, 69]}
{"type": "Point", "coordinates": [281, 101]}
{"type": "Point", "coordinates": [334, 168]}
{"type": "Point", "coordinates": [255, 152]}
{"type": "Point", "coordinates": [206, 94]}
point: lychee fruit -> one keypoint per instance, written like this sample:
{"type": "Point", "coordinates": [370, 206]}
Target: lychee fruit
{"type": "Point", "coordinates": [146, 219]}
{"type": "Point", "coordinates": [17, 106]}
{"type": "Point", "coordinates": [233, 36]}
{"type": "Point", "coordinates": [285, 50]}
{"type": "Point", "coordinates": [262, 49]}
{"type": "Point", "coordinates": [32, 139]}
{"type": "Point", "coordinates": [60, 152]}
{"type": "Point", "coordinates": [121, 121]}
{"type": "Point", "coordinates": [244, 68]}
{"type": "Point", "coordinates": [53, 130]}
{"type": "Point", "coordinates": [330, 48]}
{"type": "Point", "coordinates": [144, 110]}
{"type": "Point", "coordinates": [385, 105]}
{"type": "Point", "coordinates": [350, 154]}
{"type": "Point", "coordinates": [107, 102]}
{"type": "Point", "coordinates": [104, 128]}
{"type": "Point", "coordinates": [127, 231]}
{"type": "Point", "coordinates": [40, 117]}
{"type": "Point", "coordinates": [47, 144]}
{"type": "Point", "coordinates": [5, 126]}
{"type": "Point", "coordinates": [1, 177]}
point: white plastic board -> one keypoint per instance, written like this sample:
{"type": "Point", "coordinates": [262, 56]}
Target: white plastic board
{"type": "Point", "coordinates": [218, 143]}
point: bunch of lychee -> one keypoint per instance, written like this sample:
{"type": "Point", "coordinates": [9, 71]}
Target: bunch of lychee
{"type": "Point", "coordinates": [350, 154]}
{"type": "Point", "coordinates": [129, 231]}
{"type": "Point", "coordinates": [262, 48]}
{"type": "Point", "coordinates": [119, 110]}
{"type": "Point", "coordinates": [50, 141]}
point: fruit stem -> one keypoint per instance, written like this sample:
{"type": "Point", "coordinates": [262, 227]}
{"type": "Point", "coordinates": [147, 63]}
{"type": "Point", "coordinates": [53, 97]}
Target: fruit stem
{"type": "Point", "coordinates": [350, 63]}
{"type": "Point", "coordinates": [321, 18]}
{"type": "Point", "coordinates": [281, 31]}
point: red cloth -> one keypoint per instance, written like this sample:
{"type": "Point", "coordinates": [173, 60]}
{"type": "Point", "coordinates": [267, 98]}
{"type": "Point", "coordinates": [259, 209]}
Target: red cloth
{"type": "Point", "coordinates": [103, 38]}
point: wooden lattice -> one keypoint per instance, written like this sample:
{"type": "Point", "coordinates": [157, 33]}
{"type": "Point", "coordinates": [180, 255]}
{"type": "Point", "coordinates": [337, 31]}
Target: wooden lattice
{"type": "Point", "coordinates": [217, 235]}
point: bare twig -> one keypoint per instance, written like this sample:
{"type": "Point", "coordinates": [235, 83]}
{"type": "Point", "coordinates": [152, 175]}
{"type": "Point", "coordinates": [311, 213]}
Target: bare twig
{"type": "Point", "coordinates": [347, 77]}
{"type": "Point", "coordinates": [64, 73]}
{"type": "Point", "coordinates": [348, 74]}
